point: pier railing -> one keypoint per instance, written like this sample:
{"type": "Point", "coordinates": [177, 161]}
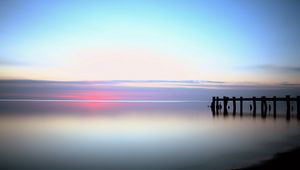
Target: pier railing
{"type": "Point", "coordinates": [216, 105]}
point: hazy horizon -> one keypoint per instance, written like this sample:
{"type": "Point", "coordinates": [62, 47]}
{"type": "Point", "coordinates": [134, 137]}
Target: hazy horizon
{"type": "Point", "coordinates": [159, 90]}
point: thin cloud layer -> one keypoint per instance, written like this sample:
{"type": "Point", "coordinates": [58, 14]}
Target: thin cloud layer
{"type": "Point", "coordinates": [278, 68]}
{"type": "Point", "coordinates": [133, 90]}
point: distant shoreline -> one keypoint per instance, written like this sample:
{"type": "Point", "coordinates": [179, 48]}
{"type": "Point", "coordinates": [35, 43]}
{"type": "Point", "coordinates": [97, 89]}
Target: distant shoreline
{"type": "Point", "coordinates": [284, 160]}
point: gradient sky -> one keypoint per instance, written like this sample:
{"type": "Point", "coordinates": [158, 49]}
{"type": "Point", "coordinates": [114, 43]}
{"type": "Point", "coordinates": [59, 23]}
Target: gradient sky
{"type": "Point", "coordinates": [231, 41]}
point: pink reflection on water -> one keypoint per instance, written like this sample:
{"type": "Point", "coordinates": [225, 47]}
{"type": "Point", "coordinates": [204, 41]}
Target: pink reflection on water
{"type": "Point", "coordinates": [90, 95]}
{"type": "Point", "coordinates": [90, 108]}
{"type": "Point", "coordinates": [106, 94]}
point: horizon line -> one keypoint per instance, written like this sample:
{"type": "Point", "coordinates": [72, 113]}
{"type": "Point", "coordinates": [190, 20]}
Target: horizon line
{"type": "Point", "coordinates": [215, 82]}
{"type": "Point", "coordinates": [101, 101]}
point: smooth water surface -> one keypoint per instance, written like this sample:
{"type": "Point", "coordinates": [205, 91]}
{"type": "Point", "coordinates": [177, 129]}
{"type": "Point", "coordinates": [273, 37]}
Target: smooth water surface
{"type": "Point", "coordinates": [135, 135]}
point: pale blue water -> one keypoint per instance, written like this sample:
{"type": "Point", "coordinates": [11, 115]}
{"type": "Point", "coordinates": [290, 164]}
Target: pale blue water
{"type": "Point", "coordinates": [137, 134]}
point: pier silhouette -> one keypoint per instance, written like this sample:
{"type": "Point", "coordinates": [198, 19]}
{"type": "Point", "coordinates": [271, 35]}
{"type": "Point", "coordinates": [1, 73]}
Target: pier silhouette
{"type": "Point", "coordinates": [216, 106]}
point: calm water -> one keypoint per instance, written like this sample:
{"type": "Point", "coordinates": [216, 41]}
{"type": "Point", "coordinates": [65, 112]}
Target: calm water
{"type": "Point", "coordinates": [135, 135]}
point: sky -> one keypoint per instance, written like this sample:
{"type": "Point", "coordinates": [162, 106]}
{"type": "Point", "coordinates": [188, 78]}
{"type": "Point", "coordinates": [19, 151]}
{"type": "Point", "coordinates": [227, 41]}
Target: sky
{"type": "Point", "coordinates": [250, 41]}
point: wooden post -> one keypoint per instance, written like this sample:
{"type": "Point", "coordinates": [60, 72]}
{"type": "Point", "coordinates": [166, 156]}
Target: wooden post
{"type": "Point", "coordinates": [274, 106]}
{"type": "Point", "coordinates": [298, 107]}
{"type": "Point", "coordinates": [266, 106]}
{"type": "Point", "coordinates": [254, 106]}
{"type": "Point", "coordinates": [234, 105]}
{"type": "Point", "coordinates": [241, 106]}
{"type": "Point", "coordinates": [213, 105]}
{"type": "Point", "coordinates": [217, 106]}
{"type": "Point", "coordinates": [288, 106]}
{"type": "Point", "coordinates": [225, 105]}
{"type": "Point", "coordinates": [263, 106]}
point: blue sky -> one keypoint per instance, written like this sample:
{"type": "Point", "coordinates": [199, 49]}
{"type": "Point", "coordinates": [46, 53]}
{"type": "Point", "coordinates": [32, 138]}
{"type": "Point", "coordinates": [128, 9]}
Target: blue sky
{"type": "Point", "coordinates": [231, 41]}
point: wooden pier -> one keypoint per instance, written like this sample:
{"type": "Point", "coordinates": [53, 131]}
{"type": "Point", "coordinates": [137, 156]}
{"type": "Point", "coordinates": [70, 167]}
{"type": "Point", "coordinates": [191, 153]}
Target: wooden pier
{"type": "Point", "coordinates": [216, 107]}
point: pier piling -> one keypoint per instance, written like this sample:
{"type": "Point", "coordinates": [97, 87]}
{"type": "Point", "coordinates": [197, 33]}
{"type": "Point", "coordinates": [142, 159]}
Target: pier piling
{"type": "Point", "coordinates": [266, 105]}
{"type": "Point", "coordinates": [225, 100]}
{"type": "Point", "coordinates": [274, 106]}
{"type": "Point", "coordinates": [212, 106]}
{"type": "Point", "coordinates": [241, 106]}
{"type": "Point", "coordinates": [298, 107]}
{"type": "Point", "coordinates": [288, 106]}
{"type": "Point", "coordinates": [217, 106]}
{"type": "Point", "coordinates": [254, 106]}
{"type": "Point", "coordinates": [234, 105]}
{"type": "Point", "coordinates": [263, 106]}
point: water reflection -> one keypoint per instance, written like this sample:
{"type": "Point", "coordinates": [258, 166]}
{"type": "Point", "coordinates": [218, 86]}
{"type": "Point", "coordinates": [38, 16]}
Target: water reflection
{"type": "Point", "coordinates": [110, 108]}
{"type": "Point", "coordinates": [66, 135]}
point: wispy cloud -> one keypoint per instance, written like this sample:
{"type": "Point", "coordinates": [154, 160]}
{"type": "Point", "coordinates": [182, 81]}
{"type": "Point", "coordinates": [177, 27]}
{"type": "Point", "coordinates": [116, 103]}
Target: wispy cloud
{"type": "Point", "coordinates": [288, 84]}
{"type": "Point", "coordinates": [9, 62]}
{"type": "Point", "coordinates": [5, 62]}
{"type": "Point", "coordinates": [276, 68]}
